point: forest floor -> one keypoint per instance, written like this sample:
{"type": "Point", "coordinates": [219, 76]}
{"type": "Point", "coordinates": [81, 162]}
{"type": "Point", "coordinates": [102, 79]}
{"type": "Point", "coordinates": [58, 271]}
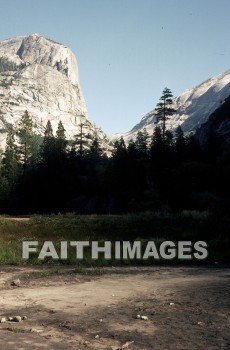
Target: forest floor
{"type": "Point", "coordinates": [187, 308]}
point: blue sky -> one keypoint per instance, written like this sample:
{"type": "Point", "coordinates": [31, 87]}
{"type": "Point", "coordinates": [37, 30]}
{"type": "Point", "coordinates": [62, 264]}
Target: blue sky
{"type": "Point", "coordinates": [129, 50]}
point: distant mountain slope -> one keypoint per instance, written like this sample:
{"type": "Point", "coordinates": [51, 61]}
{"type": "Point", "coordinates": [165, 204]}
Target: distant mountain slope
{"type": "Point", "coordinates": [193, 106]}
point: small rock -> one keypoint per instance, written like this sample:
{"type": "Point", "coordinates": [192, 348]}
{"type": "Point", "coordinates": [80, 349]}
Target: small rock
{"type": "Point", "coordinates": [3, 320]}
{"type": "Point", "coordinates": [24, 318]}
{"type": "Point", "coordinates": [97, 336]}
{"type": "Point", "coordinates": [200, 323]}
{"type": "Point", "coordinates": [17, 318]}
{"type": "Point", "coordinates": [16, 283]}
{"type": "Point", "coordinates": [14, 319]}
{"type": "Point", "coordinates": [171, 304]}
{"type": "Point", "coordinates": [144, 318]}
{"type": "Point", "coordinates": [138, 316]}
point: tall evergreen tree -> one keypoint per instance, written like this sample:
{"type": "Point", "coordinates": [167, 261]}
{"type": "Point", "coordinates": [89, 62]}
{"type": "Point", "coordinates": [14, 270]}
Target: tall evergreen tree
{"type": "Point", "coordinates": [25, 134]}
{"type": "Point", "coordinates": [48, 146]}
{"type": "Point", "coordinates": [119, 149]}
{"type": "Point", "coordinates": [61, 138]}
{"type": "Point", "coordinates": [142, 143]}
{"type": "Point", "coordinates": [49, 131]}
{"type": "Point", "coordinates": [132, 150]}
{"type": "Point", "coordinates": [157, 140]}
{"type": "Point", "coordinates": [10, 163]}
{"type": "Point", "coordinates": [95, 151]}
{"type": "Point", "coordinates": [164, 109]}
{"type": "Point", "coordinates": [82, 139]}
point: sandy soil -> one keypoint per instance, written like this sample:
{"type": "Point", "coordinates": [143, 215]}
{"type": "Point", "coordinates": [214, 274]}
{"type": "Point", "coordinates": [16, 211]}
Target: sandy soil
{"type": "Point", "coordinates": [66, 310]}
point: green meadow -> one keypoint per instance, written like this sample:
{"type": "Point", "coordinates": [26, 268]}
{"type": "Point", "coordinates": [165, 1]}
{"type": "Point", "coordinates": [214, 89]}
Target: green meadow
{"type": "Point", "coordinates": [158, 227]}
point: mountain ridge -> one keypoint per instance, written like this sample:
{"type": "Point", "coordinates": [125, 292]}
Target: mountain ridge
{"type": "Point", "coordinates": [194, 106]}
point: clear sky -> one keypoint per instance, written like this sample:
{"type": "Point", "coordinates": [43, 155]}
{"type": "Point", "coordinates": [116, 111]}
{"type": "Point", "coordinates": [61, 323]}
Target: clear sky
{"type": "Point", "coordinates": [129, 50]}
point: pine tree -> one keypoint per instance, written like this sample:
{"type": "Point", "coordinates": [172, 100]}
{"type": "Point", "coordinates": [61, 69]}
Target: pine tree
{"type": "Point", "coordinates": [95, 151]}
{"type": "Point", "coordinates": [157, 140]}
{"type": "Point", "coordinates": [119, 149]}
{"type": "Point", "coordinates": [48, 131]}
{"type": "Point", "coordinates": [25, 134]}
{"type": "Point", "coordinates": [132, 149]}
{"type": "Point", "coordinates": [142, 143]}
{"type": "Point", "coordinates": [164, 109]}
{"type": "Point", "coordinates": [48, 146]}
{"type": "Point", "coordinates": [61, 138]}
{"type": "Point", "coordinates": [10, 163]}
{"type": "Point", "coordinates": [82, 139]}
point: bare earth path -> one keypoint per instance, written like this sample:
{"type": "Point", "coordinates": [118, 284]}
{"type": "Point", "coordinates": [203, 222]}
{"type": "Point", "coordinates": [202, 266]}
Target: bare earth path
{"type": "Point", "coordinates": [187, 308]}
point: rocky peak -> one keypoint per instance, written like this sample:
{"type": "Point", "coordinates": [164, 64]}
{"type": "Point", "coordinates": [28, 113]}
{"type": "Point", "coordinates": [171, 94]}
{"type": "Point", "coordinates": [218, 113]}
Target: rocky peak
{"type": "Point", "coordinates": [36, 49]}
{"type": "Point", "coordinates": [41, 76]}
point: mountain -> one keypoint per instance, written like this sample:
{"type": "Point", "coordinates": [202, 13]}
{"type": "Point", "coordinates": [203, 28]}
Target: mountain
{"type": "Point", "coordinates": [193, 106]}
{"type": "Point", "coordinates": [218, 124]}
{"type": "Point", "coordinates": [41, 76]}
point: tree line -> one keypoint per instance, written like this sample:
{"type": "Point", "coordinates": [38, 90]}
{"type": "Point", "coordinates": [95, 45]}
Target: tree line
{"type": "Point", "coordinates": [164, 171]}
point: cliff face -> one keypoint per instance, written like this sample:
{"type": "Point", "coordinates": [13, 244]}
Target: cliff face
{"type": "Point", "coordinates": [44, 81]}
{"type": "Point", "coordinates": [35, 49]}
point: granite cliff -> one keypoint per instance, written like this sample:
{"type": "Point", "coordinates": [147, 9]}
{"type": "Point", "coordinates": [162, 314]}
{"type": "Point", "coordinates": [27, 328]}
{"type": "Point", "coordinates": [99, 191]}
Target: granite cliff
{"type": "Point", "coordinates": [41, 76]}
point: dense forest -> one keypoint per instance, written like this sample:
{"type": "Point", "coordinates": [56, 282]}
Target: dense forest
{"type": "Point", "coordinates": [159, 172]}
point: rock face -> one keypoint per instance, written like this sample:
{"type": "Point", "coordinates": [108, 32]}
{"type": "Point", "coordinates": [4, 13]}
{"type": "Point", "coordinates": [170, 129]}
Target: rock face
{"type": "Point", "coordinates": [193, 106]}
{"type": "Point", "coordinates": [45, 82]}
{"type": "Point", "coordinates": [218, 124]}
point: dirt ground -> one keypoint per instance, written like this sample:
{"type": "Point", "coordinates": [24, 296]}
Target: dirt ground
{"type": "Point", "coordinates": [187, 308]}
